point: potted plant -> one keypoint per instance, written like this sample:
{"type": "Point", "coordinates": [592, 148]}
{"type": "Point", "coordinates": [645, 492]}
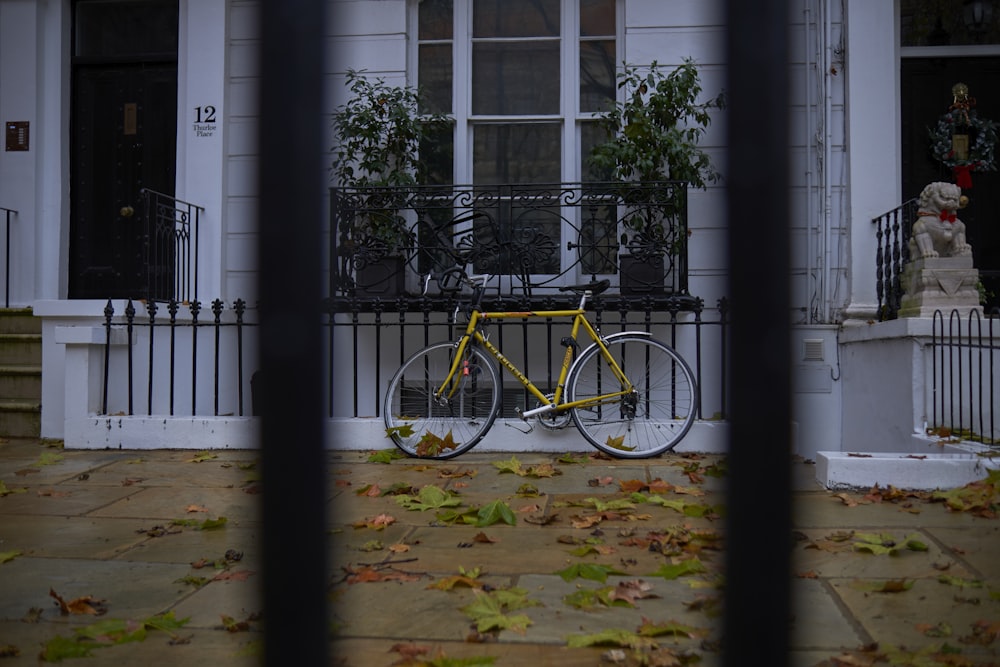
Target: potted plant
{"type": "Point", "coordinates": [378, 134]}
{"type": "Point", "coordinates": [653, 136]}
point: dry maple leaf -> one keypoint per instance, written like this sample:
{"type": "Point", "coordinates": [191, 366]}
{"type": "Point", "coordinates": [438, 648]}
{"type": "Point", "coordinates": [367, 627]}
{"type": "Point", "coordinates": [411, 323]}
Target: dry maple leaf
{"type": "Point", "coordinates": [377, 522]}
{"type": "Point", "coordinates": [82, 605]}
{"type": "Point", "coordinates": [369, 574]}
{"type": "Point", "coordinates": [630, 591]}
{"type": "Point", "coordinates": [195, 508]}
{"type": "Point", "coordinates": [399, 548]}
{"type": "Point", "coordinates": [409, 651]}
{"type": "Point", "coordinates": [483, 538]}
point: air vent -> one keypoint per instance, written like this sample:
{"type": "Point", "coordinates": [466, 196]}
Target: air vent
{"type": "Point", "coordinates": [812, 349]}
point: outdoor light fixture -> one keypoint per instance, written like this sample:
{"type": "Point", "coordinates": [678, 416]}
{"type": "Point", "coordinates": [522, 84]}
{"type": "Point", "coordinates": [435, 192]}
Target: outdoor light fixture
{"type": "Point", "coordinates": [977, 14]}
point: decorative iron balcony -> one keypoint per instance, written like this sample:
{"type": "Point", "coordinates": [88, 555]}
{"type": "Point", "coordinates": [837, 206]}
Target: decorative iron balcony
{"type": "Point", "coordinates": [531, 238]}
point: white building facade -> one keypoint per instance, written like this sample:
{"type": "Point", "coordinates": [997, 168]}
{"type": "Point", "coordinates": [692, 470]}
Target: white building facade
{"type": "Point", "coordinates": [63, 70]}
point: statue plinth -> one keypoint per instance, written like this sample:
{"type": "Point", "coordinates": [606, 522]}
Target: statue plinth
{"type": "Point", "coordinates": [939, 283]}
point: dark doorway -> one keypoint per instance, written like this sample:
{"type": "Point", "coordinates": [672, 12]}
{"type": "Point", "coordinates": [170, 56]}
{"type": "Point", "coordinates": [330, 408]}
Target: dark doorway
{"type": "Point", "coordinates": [926, 95]}
{"type": "Point", "coordinates": [123, 139]}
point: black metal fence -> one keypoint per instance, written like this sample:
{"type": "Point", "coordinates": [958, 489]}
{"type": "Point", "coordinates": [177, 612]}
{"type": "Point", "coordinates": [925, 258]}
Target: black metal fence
{"type": "Point", "coordinates": [171, 248]}
{"type": "Point", "coordinates": [892, 231]}
{"type": "Point", "coordinates": [533, 236]}
{"type": "Point", "coordinates": [174, 357]}
{"type": "Point", "coordinates": [180, 361]}
{"type": "Point", "coordinates": [369, 341]}
{"type": "Point", "coordinates": [965, 387]}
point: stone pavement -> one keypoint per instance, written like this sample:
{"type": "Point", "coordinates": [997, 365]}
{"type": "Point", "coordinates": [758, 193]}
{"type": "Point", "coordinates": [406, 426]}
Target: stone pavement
{"type": "Point", "coordinates": [598, 550]}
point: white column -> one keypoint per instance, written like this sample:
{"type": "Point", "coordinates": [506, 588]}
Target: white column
{"type": "Point", "coordinates": [872, 52]}
{"type": "Point", "coordinates": [201, 104]}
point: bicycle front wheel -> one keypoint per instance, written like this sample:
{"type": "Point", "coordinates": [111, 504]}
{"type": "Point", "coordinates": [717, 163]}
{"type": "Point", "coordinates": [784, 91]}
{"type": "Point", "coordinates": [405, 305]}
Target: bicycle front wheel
{"type": "Point", "coordinates": [648, 421]}
{"type": "Point", "coordinates": [427, 426]}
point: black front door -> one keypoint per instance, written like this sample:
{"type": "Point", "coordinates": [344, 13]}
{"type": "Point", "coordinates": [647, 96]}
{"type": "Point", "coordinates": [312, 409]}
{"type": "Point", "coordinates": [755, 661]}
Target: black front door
{"type": "Point", "coordinates": [123, 139]}
{"type": "Point", "coordinates": [926, 95]}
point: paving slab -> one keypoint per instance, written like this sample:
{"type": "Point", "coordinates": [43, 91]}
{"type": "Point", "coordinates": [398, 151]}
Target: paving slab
{"type": "Point", "coordinates": [88, 523]}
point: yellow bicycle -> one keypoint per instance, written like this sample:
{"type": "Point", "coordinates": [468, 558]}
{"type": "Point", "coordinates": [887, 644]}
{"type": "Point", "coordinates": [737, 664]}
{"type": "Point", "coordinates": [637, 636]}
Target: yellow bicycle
{"type": "Point", "coordinates": [629, 394]}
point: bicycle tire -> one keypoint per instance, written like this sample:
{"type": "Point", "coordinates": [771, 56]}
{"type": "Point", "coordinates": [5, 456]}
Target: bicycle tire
{"type": "Point", "coordinates": [440, 429]}
{"type": "Point", "coordinates": [651, 421]}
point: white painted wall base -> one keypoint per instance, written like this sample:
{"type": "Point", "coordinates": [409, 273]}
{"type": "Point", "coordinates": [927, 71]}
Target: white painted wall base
{"type": "Point", "coordinates": [505, 436]}
{"type": "Point", "coordinates": [928, 471]}
{"type": "Point", "coordinates": [116, 432]}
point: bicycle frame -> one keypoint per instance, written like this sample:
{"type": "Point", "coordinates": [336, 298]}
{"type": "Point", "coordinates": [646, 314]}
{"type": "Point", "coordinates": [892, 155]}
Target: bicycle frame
{"type": "Point", "coordinates": [473, 333]}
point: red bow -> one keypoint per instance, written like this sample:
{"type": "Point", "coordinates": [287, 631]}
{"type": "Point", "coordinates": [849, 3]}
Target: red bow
{"type": "Point", "coordinates": [948, 217]}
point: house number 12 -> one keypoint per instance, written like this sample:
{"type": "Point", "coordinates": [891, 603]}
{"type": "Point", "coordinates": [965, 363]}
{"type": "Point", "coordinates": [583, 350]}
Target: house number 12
{"type": "Point", "coordinates": [204, 114]}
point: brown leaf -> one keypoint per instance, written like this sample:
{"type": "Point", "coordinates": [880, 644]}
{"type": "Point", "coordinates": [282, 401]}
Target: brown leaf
{"type": "Point", "coordinates": [195, 508]}
{"type": "Point", "coordinates": [399, 548]}
{"type": "Point", "coordinates": [600, 481]}
{"type": "Point", "coordinates": [528, 508]}
{"type": "Point", "coordinates": [410, 651]}
{"type": "Point", "coordinates": [483, 538]}
{"type": "Point", "coordinates": [83, 605]}
{"type": "Point", "coordinates": [846, 499]}
{"type": "Point", "coordinates": [541, 519]}
{"type": "Point", "coordinates": [129, 481]}
{"type": "Point", "coordinates": [376, 522]}
{"type": "Point", "coordinates": [369, 574]}
{"type": "Point", "coordinates": [632, 590]}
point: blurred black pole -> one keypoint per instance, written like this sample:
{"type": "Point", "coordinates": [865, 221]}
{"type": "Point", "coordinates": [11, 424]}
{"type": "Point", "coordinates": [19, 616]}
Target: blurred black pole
{"type": "Point", "coordinates": [758, 533]}
{"type": "Point", "coordinates": [290, 213]}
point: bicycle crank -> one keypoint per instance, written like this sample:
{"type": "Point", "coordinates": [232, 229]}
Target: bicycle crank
{"type": "Point", "coordinates": [553, 420]}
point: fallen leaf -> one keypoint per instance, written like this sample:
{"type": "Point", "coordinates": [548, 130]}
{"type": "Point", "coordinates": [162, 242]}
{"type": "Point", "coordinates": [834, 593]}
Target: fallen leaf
{"type": "Point", "coordinates": [82, 605]}
{"type": "Point", "coordinates": [195, 508]}
{"type": "Point", "coordinates": [483, 538]}
{"type": "Point", "coordinates": [378, 522]}
{"type": "Point", "coordinates": [372, 574]}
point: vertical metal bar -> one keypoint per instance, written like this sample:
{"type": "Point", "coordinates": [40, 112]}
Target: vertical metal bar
{"type": "Point", "coordinates": [291, 173]}
{"type": "Point", "coordinates": [217, 311]}
{"type": "Point", "coordinates": [151, 310]}
{"type": "Point", "coordinates": [758, 170]}
{"type": "Point", "coordinates": [378, 355]}
{"type": "Point", "coordinates": [195, 309]}
{"type": "Point", "coordinates": [239, 307]}
{"type": "Point", "coordinates": [129, 319]}
{"type": "Point", "coordinates": [172, 309]}
{"type": "Point", "coordinates": [109, 312]}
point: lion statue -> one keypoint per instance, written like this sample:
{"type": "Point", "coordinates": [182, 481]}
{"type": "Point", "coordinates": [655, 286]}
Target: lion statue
{"type": "Point", "coordinates": [938, 232]}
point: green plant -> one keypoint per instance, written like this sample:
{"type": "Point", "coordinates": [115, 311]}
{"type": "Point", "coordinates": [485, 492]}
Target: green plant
{"type": "Point", "coordinates": [378, 134]}
{"type": "Point", "coordinates": [653, 136]}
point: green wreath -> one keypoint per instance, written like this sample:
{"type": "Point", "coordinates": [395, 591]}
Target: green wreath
{"type": "Point", "coordinates": [981, 151]}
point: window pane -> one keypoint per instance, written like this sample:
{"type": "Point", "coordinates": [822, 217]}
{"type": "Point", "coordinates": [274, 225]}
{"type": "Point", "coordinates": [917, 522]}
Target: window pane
{"type": "Point", "coordinates": [434, 73]}
{"type": "Point", "coordinates": [515, 18]}
{"type": "Point", "coordinates": [515, 78]}
{"type": "Point", "coordinates": [437, 154]}
{"type": "Point", "coordinates": [935, 23]}
{"type": "Point", "coordinates": [597, 75]}
{"type": "Point", "coordinates": [597, 17]}
{"type": "Point", "coordinates": [126, 28]}
{"type": "Point", "coordinates": [435, 19]}
{"type": "Point", "coordinates": [516, 153]}
{"type": "Point", "coordinates": [591, 134]}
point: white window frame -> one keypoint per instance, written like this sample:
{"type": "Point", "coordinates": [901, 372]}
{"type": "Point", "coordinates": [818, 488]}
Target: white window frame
{"type": "Point", "coordinates": [570, 116]}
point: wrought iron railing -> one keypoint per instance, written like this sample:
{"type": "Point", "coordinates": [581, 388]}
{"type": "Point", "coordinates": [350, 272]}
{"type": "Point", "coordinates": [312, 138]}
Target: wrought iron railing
{"type": "Point", "coordinates": [892, 231]}
{"type": "Point", "coordinates": [171, 249]}
{"type": "Point", "coordinates": [181, 361]}
{"type": "Point", "coordinates": [965, 396]}
{"type": "Point", "coordinates": [532, 238]}
{"type": "Point", "coordinates": [8, 213]}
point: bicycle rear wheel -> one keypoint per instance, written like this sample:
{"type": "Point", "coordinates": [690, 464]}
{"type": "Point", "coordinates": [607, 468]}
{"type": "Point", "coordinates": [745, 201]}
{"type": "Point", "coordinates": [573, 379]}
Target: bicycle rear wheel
{"type": "Point", "coordinates": [647, 422]}
{"type": "Point", "coordinates": [440, 428]}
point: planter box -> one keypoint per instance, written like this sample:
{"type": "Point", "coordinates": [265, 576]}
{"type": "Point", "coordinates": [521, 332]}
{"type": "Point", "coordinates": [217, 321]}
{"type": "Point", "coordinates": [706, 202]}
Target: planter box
{"type": "Point", "coordinates": [641, 276]}
{"type": "Point", "coordinates": [385, 277]}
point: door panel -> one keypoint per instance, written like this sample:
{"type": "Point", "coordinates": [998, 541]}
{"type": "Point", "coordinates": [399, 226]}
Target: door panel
{"type": "Point", "coordinates": [926, 95]}
{"type": "Point", "coordinates": [123, 139]}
